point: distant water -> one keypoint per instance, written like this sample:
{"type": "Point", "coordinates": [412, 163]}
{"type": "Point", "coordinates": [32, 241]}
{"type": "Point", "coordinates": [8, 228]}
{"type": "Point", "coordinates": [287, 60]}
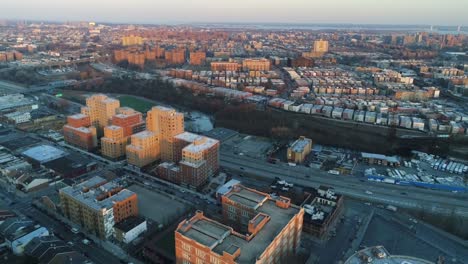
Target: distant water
{"type": "Point", "coordinates": [351, 27]}
{"type": "Point", "coordinates": [197, 122]}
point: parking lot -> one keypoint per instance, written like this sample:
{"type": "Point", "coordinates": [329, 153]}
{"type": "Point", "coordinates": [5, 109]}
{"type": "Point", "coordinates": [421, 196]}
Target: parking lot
{"type": "Point", "coordinates": [251, 146]}
{"type": "Point", "coordinates": [399, 240]}
{"type": "Point", "coordinates": [156, 206]}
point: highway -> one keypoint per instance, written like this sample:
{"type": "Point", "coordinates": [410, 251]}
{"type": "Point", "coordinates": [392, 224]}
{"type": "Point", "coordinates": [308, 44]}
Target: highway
{"type": "Point", "coordinates": [400, 196]}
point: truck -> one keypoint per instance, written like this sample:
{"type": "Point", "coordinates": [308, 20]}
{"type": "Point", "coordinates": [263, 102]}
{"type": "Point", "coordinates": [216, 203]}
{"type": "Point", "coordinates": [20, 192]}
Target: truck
{"type": "Point", "coordinates": [387, 180]}
{"type": "Point", "coordinates": [391, 208]}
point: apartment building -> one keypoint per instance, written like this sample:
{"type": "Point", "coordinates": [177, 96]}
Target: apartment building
{"type": "Point", "coordinates": [167, 123]}
{"type": "Point", "coordinates": [197, 57]}
{"type": "Point", "coordinates": [260, 64]}
{"type": "Point", "coordinates": [321, 46]}
{"type": "Point", "coordinates": [143, 149]}
{"type": "Point", "coordinates": [200, 160]}
{"type": "Point", "coordinates": [225, 66]}
{"type": "Point", "coordinates": [194, 159]}
{"type": "Point", "coordinates": [132, 40]}
{"type": "Point", "coordinates": [96, 205]}
{"type": "Point", "coordinates": [175, 56]}
{"type": "Point", "coordinates": [100, 110]}
{"type": "Point", "coordinates": [299, 150]}
{"type": "Point", "coordinates": [113, 143]}
{"type": "Point", "coordinates": [273, 231]}
{"type": "Point", "coordinates": [130, 120]}
{"type": "Point", "coordinates": [79, 132]}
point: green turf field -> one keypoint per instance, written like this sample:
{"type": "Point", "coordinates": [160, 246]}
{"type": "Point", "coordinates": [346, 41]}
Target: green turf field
{"type": "Point", "coordinates": [135, 103]}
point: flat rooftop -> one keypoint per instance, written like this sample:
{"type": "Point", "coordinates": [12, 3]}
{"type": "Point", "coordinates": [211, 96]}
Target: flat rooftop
{"type": "Point", "coordinates": [89, 198]}
{"type": "Point", "coordinates": [201, 144]}
{"type": "Point", "coordinates": [247, 197]}
{"type": "Point", "coordinates": [44, 153]}
{"type": "Point", "coordinates": [143, 134]}
{"type": "Point", "coordinates": [220, 238]}
{"type": "Point", "coordinates": [187, 136]}
{"type": "Point", "coordinates": [77, 116]}
{"type": "Point", "coordinates": [300, 144]}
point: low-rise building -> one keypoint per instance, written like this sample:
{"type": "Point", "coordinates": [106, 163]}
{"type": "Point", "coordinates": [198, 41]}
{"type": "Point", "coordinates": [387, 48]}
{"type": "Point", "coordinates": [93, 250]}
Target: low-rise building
{"type": "Point", "coordinates": [299, 150]}
{"type": "Point", "coordinates": [321, 211]}
{"type": "Point", "coordinates": [129, 229]}
{"type": "Point", "coordinates": [18, 232]}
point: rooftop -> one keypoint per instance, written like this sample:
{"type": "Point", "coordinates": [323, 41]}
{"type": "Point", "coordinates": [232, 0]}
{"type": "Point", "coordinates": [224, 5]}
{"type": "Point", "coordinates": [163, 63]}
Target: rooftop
{"type": "Point", "coordinates": [90, 197]}
{"type": "Point", "coordinates": [300, 144]}
{"type": "Point", "coordinates": [143, 134]}
{"type": "Point", "coordinates": [366, 155]}
{"type": "Point", "coordinates": [77, 116]}
{"type": "Point", "coordinates": [187, 136]}
{"type": "Point", "coordinates": [44, 153]}
{"type": "Point", "coordinates": [220, 238]}
{"type": "Point", "coordinates": [247, 197]}
{"type": "Point", "coordinates": [201, 144]}
{"type": "Point", "coordinates": [129, 223]}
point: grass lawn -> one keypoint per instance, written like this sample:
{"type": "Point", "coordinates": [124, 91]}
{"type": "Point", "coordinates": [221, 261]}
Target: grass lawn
{"type": "Point", "coordinates": [135, 103]}
{"type": "Point", "coordinates": [167, 243]}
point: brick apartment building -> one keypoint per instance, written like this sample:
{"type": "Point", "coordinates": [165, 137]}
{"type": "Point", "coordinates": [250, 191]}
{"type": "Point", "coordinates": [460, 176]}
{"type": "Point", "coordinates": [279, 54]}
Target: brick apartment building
{"type": "Point", "coordinates": [197, 57]}
{"type": "Point", "coordinates": [96, 205]}
{"type": "Point", "coordinates": [273, 231]}
{"type": "Point", "coordinates": [143, 149]}
{"type": "Point", "coordinates": [79, 132]}
{"type": "Point", "coordinates": [260, 64]}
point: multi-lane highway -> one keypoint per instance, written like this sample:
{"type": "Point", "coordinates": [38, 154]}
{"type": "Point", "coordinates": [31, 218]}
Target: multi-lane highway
{"type": "Point", "coordinates": [401, 196]}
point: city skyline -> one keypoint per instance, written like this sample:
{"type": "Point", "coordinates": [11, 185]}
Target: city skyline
{"type": "Point", "coordinates": [432, 12]}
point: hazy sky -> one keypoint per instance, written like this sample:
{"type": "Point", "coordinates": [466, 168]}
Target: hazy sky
{"type": "Point", "coordinates": [445, 12]}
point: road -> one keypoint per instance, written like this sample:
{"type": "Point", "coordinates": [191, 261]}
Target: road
{"type": "Point", "coordinates": [401, 196]}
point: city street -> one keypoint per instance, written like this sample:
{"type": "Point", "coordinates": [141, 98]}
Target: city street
{"type": "Point", "coordinates": [401, 196]}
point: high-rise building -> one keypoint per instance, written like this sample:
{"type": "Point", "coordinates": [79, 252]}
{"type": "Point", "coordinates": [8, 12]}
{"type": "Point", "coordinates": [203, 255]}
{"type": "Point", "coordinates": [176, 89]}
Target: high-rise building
{"type": "Point", "coordinates": [273, 231]}
{"type": "Point", "coordinates": [175, 56]}
{"type": "Point", "coordinates": [79, 132]}
{"type": "Point", "coordinates": [113, 143]}
{"type": "Point", "coordinates": [199, 161]}
{"type": "Point", "coordinates": [197, 57]}
{"type": "Point", "coordinates": [130, 120]}
{"type": "Point", "coordinates": [318, 50]}
{"type": "Point", "coordinates": [144, 148]}
{"type": "Point", "coordinates": [132, 40]}
{"type": "Point", "coordinates": [167, 123]}
{"type": "Point", "coordinates": [321, 46]}
{"type": "Point", "coordinates": [96, 205]}
{"type": "Point", "coordinates": [100, 109]}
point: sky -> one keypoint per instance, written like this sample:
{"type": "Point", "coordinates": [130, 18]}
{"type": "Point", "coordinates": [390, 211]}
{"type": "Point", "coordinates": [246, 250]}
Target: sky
{"type": "Point", "coordinates": [418, 12]}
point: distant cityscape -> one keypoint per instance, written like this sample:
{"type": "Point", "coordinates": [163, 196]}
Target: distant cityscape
{"type": "Point", "coordinates": [224, 143]}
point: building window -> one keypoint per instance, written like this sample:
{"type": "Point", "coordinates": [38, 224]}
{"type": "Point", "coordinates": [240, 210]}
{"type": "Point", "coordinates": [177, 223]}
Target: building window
{"type": "Point", "coordinates": [186, 256]}
{"type": "Point", "coordinates": [214, 260]}
{"type": "Point", "coordinates": [186, 246]}
{"type": "Point", "coordinates": [200, 253]}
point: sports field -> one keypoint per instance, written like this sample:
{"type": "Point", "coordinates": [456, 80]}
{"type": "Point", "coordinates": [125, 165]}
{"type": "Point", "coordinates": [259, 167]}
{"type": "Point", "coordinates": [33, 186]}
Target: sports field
{"type": "Point", "coordinates": [135, 103]}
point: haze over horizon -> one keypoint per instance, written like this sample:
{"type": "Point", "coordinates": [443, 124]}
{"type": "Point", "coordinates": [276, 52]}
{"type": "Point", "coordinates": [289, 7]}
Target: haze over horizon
{"type": "Point", "coordinates": [421, 12]}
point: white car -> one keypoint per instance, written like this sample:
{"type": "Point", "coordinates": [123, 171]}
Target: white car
{"type": "Point", "coordinates": [75, 230]}
{"type": "Point", "coordinates": [86, 241]}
